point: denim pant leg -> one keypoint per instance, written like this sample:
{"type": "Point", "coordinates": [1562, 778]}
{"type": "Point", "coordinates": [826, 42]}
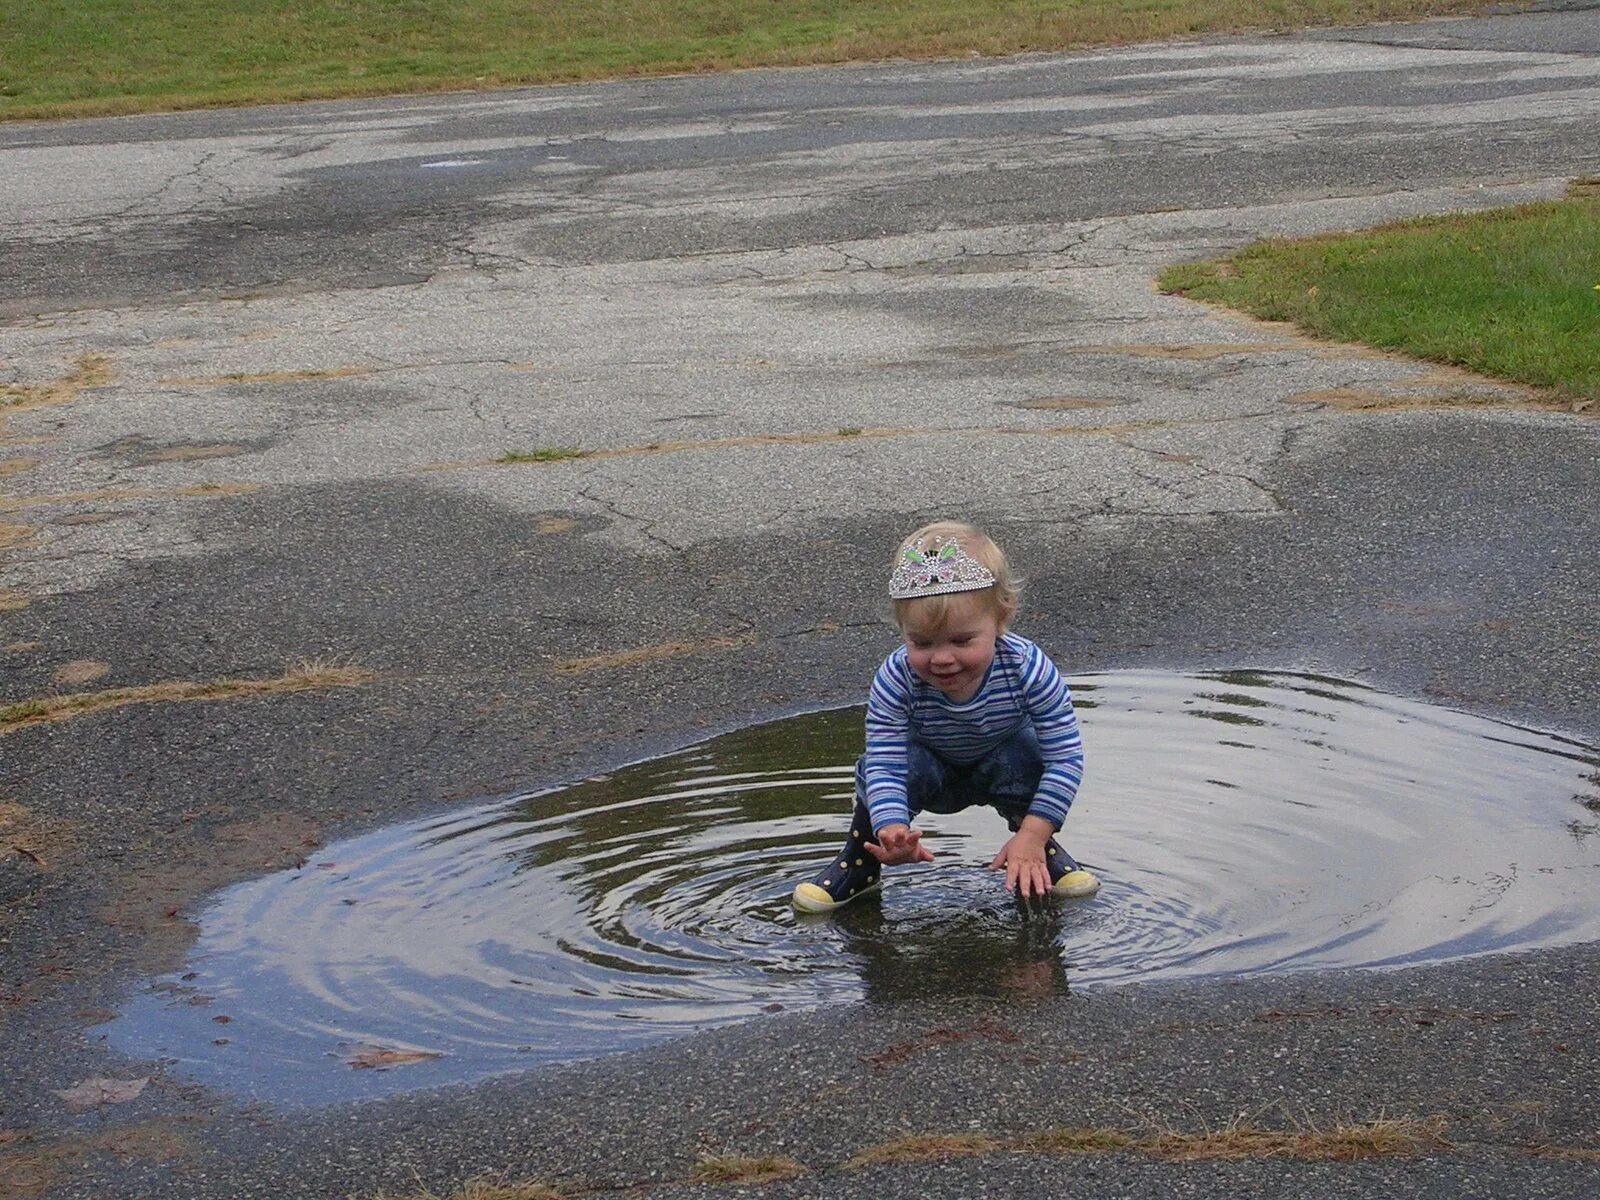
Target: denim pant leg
{"type": "Point", "coordinates": [927, 788]}
{"type": "Point", "coordinates": [1007, 778]}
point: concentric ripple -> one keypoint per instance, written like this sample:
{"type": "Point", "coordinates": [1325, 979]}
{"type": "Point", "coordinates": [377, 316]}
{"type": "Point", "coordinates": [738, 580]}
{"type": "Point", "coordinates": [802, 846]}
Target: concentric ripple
{"type": "Point", "coordinates": [1242, 822]}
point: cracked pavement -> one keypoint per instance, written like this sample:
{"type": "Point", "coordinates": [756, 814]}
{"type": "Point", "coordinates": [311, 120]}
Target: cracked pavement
{"type": "Point", "coordinates": [784, 315]}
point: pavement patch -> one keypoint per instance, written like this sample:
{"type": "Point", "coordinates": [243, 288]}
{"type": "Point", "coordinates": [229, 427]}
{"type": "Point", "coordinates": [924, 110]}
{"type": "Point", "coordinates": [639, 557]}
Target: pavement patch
{"type": "Point", "coordinates": [90, 370]}
{"type": "Point", "coordinates": [80, 671]}
{"type": "Point", "coordinates": [13, 535]}
{"type": "Point", "coordinates": [141, 452]}
{"type": "Point", "coordinates": [39, 839]}
{"type": "Point", "coordinates": [268, 377]}
{"type": "Point", "coordinates": [848, 433]}
{"type": "Point", "coordinates": [192, 491]}
{"type": "Point", "coordinates": [1417, 397]}
{"type": "Point", "coordinates": [1198, 351]}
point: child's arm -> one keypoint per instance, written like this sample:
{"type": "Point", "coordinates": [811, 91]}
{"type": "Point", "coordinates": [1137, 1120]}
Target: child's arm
{"type": "Point", "coordinates": [1049, 704]}
{"type": "Point", "coordinates": [888, 735]}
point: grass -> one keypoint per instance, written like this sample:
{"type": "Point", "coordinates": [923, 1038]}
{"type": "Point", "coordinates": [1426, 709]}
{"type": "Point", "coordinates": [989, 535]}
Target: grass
{"type": "Point", "coordinates": [86, 57]}
{"type": "Point", "coordinates": [1385, 1137]}
{"type": "Point", "coordinates": [648, 654]}
{"type": "Point", "coordinates": [1076, 1140]}
{"type": "Point", "coordinates": [543, 454]}
{"type": "Point", "coordinates": [307, 677]}
{"type": "Point", "coordinates": [1510, 293]}
{"type": "Point", "coordinates": [732, 1168]}
{"type": "Point", "coordinates": [1342, 1141]}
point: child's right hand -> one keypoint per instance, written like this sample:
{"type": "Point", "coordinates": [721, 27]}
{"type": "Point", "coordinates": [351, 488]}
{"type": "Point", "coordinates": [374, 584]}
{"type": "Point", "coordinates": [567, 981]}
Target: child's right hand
{"type": "Point", "coordinates": [899, 844]}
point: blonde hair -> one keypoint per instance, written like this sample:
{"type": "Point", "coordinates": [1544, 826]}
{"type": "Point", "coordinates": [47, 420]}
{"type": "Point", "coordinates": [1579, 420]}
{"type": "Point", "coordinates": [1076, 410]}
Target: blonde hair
{"type": "Point", "coordinates": [934, 612]}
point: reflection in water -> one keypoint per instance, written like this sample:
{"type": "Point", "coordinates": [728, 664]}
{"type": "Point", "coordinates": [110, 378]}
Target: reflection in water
{"type": "Point", "coordinates": [1350, 828]}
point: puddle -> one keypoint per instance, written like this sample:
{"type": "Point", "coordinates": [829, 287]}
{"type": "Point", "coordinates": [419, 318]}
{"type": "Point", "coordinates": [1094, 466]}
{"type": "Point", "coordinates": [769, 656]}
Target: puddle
{"type": "Point", "coordinates": [1242, 823]}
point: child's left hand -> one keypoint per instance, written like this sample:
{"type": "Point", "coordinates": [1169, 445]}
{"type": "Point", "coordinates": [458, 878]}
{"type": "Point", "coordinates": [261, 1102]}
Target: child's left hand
{"type": "Point", "coordinates": [1023, 859]}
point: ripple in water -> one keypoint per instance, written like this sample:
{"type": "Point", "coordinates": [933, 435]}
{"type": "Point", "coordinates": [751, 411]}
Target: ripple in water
{"type": "Point", "coordinates": [1242, 823]}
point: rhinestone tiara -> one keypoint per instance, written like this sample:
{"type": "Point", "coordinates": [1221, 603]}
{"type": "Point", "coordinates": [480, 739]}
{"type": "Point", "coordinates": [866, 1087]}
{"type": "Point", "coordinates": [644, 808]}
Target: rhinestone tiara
{"type": "Point", "coordinates": [936, 570]}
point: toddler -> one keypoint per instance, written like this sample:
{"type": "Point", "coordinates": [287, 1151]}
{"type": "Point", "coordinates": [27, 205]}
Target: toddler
{"type": "Point", "coordinates": [964, 713]}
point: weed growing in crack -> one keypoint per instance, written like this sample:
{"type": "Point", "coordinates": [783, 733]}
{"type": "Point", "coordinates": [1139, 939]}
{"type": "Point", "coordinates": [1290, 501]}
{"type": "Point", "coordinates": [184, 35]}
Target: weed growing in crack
{"type": "Point", "coordinates": [542, 454]}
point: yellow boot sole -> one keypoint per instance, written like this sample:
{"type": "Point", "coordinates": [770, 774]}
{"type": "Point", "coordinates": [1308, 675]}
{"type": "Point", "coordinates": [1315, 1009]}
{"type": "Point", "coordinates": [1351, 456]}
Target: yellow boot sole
{"type": "Point", "coordinates": [809, 898]}
{"type": "Point", "coordinates": [1075, 885]}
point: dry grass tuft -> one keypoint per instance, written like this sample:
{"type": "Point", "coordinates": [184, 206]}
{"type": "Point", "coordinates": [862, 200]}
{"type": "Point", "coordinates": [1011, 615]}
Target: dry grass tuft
{"type": "Point", "coordinates": [732, 1168]}
{"type": "Point", "coordinates": [1075, 1140]}
{"type": "Point", "coordinates": [306, 677]}
{"type": "Point", "coordinates": [647, 654]}
{"type": "Point", "coordinates": [39, 1162]}
{"type": "Point", "coordinates": [1571, 1153]}
{"type": "Point", "coordinates": [1342, 1142]}
{"type": "Point", "coordinates": [486, 1187]}
{"type": "Point", "coordinates": [927, 1147]}
{"type": "Point", "coordinates": [542, 454]}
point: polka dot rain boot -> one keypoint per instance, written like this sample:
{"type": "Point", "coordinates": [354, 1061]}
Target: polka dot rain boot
{"type": "Point", "coordinates": [849, 875]}
{"type": "Point", "coordinates": [1067, 876]}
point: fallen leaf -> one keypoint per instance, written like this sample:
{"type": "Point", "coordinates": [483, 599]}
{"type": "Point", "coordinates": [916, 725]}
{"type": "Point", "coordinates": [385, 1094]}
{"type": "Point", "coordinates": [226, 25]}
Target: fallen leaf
{"type": "Point", "coordinates": [381, 1058]}
{"type": "Point", "coordinates": [96, 1093]}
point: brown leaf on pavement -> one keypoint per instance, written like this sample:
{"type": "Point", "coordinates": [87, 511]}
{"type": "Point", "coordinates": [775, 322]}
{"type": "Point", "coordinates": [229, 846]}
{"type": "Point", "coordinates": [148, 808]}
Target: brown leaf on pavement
{"type": "Point", "coordinates": [381, 1058]}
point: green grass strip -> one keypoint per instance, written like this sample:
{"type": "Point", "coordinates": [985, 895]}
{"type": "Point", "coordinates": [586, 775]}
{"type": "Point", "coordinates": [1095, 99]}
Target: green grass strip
{"type": "Point", "coordinates": [1513, 293]}
{"type": "Point", "coordinates": [83, 57]}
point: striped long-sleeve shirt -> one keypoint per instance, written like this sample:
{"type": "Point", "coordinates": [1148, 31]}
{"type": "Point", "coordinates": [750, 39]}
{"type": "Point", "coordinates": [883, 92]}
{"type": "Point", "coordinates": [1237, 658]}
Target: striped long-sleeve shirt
{"type": "Point", "coordinates": [1021, 684]}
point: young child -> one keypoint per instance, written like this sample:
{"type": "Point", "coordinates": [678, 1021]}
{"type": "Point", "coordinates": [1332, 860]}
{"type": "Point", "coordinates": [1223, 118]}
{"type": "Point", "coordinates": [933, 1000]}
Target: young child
{"type": "Point", "coordinates": [964, 713]}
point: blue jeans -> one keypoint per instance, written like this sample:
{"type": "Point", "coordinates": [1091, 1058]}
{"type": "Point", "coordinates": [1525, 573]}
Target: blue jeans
{"type": "Point", "coordinates": [1004, 779]}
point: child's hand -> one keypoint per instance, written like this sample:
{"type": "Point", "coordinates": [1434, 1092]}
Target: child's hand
{"type": "Point", "coordinates": [1023, 859]}
{"type": "Point", "coordinates": [899, 844]}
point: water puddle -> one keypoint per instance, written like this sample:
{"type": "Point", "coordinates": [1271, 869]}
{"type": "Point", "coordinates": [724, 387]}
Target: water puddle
{"type": "Point", "coordinates": [1242, 823]}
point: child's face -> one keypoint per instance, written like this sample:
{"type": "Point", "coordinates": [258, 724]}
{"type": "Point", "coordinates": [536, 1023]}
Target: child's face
{"type": "Point", "coordinates": [955, 657]}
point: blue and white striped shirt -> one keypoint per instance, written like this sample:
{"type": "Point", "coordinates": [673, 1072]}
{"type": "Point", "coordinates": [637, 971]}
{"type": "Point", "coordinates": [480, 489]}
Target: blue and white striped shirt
{"type": "Point", "coordinates": [1021, 684]}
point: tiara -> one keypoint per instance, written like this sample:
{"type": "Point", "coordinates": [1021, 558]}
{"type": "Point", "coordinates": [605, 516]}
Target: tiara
{"type": "Point", "coordinates": [942, 568]}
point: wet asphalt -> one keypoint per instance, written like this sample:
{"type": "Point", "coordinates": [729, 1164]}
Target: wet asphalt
{"type": "Point", "coordinates": [953, 258]}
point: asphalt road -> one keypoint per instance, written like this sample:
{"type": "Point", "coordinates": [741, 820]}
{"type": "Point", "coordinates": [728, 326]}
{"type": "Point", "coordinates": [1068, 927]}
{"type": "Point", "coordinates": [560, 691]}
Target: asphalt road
{"type": "Point", "coordinates": [276, 353]}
